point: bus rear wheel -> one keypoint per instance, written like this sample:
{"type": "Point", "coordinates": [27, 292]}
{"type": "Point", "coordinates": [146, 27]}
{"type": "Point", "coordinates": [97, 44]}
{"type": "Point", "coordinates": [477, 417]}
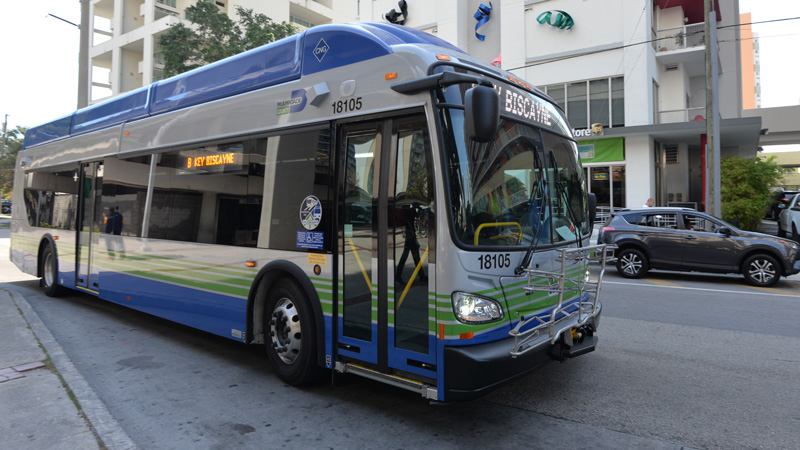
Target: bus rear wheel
{"type": "Point", "coordinates": [291, 334]}
{"type": "Point", "coordinates": [49, 279]}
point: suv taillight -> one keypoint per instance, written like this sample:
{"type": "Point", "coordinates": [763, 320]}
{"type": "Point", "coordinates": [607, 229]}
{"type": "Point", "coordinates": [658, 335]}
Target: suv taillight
{"type": "Point", "coordinates": [608, 229]}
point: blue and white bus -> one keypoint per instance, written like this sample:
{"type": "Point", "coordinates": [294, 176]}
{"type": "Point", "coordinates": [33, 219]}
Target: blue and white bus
{"type": "Point", "coordinates": [361, 198]}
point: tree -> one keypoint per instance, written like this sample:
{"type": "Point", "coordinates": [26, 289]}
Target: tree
{"type": "Point", "coordinates": [8, 159]}
{"type": "Point", "coordinates": [215, 36]}
{"type": "Point", "coordinates": [745, 192]}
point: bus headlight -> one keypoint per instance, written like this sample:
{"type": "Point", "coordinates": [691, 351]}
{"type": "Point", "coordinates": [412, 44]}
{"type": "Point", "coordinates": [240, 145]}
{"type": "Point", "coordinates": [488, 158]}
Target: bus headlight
{"type": "Point", "coordinates": [471, 308]}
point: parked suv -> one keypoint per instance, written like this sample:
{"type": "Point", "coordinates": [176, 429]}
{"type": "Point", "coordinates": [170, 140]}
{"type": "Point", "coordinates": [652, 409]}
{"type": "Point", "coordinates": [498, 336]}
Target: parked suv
{"type": "Point", "coordinates": [789, 219]}
{"type": "Point", "coordinates": [780, 200]}
{"type": "Point", "coordinates": [687, 240]}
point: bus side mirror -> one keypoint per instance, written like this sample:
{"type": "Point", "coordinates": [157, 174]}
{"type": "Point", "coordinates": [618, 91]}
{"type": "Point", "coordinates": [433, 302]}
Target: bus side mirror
{"type": "Point", "coordinates": [592, 209]}
{"type": "Point", "coordinates": [482, 113]}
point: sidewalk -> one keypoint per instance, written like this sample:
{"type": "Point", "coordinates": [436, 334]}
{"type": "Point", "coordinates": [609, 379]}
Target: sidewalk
{"type": "Point", "coordinates": [44, 401]}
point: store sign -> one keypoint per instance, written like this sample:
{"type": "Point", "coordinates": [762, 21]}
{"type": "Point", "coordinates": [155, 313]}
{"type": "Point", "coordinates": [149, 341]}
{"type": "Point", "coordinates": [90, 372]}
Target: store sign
{"type": "Point", "coordinates": [595, 130]}
{"type": "Point", "coordinates": [599, 176]}
{"type": "Point", "coordinates": [602, 150]}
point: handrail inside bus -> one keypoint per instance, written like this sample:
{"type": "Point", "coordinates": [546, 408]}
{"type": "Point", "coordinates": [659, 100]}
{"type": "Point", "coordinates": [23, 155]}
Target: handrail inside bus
{"type": "Point", "coordinates": [498, 224]}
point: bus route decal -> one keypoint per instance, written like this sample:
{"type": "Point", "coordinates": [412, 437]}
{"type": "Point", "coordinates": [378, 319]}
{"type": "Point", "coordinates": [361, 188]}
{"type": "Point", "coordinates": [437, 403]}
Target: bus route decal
{"type": "Point", "coordinates": [310, 212]}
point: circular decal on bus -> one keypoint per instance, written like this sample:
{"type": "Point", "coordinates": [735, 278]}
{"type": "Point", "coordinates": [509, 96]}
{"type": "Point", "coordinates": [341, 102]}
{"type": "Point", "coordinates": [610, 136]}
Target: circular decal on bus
{"type": "Point", "coordinates": [310, 212]}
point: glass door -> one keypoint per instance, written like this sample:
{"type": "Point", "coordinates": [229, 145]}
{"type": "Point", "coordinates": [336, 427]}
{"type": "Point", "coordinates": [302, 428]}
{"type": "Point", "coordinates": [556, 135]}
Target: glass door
{"type": "Point", "coordinates": [91, 221]}
{"type": "Point", "coordinates": [386, 309]}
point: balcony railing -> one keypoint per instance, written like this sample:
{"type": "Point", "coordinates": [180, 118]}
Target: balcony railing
{"type": "Point", "coordinates": [681, 115]}
{"type": "Point", "coordinates": [681, 37]}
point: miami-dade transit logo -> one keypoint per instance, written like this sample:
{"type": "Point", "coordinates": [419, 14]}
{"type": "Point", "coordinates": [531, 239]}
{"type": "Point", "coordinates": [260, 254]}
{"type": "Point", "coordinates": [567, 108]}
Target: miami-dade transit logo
{"type": "Point", "coordinates": [296, 104]}
{"type": "Point", "coordinates": [310, 212]}
{"type": "Point", "coordinates": [321, 50]}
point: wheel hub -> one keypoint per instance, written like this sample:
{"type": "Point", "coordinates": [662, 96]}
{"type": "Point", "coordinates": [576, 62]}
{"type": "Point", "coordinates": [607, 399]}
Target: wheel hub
{"type": "Point", "coordinates": [285, 331]}
{"type": "Point", "coordinates": [762, 271]}
{"type": "Point", "coordinates": [631, 264]}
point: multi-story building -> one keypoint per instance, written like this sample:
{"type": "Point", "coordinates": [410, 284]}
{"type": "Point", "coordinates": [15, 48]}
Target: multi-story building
{"type": "Point", "coordinates": [630, 74]}
{"type": "Point", "coordinates": [123, 50]}
{"type": "Point", "coordinates": [751, 65]}
{"type": "Point", "coordinates": [635, 67]}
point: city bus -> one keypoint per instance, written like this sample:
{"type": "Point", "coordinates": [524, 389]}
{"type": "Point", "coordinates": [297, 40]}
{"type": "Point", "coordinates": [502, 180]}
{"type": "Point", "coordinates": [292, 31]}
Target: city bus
{"type": "Point", "coordinates": [362, 198]}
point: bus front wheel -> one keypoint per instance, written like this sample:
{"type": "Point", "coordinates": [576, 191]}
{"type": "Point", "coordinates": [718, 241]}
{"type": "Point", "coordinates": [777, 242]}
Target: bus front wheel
{"type": "Point", "coordinates": [290, 334]}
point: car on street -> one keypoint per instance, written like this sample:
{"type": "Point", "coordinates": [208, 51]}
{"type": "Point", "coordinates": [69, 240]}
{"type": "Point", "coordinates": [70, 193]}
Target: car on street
{"type": "Point", "coordinates": [779, 201]}
{"type": "Point", "coordinates": [789, 219]}
{"type": "Point", "coordinates": [6, 207]}
{"type": "Point", "coordinates": [683, 239]}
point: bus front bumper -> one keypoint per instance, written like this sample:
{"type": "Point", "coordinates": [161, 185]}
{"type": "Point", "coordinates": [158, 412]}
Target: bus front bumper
{"type": "Point", "coordinates": [474, 371]}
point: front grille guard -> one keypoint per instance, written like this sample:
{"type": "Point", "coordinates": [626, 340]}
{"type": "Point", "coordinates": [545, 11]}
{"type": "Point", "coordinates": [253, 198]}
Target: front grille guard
{"type": "Point", "coordinates": [548, 330]}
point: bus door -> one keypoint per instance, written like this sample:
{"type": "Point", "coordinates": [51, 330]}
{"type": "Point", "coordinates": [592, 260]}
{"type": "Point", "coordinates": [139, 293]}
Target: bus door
{"type": "Point", "coordinates": [386, 305]}
{"type": "Point", "coordinates": [90, 224]}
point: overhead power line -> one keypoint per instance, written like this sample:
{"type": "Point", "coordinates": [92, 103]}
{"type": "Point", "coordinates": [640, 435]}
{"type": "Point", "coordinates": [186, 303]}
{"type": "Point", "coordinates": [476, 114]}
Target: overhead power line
{"type": "Point", "coordinates": [594, 52]}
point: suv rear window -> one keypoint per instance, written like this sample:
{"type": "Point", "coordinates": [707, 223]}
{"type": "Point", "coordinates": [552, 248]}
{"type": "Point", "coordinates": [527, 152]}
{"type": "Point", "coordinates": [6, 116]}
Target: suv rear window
{"type": "Point", "coordinates": [632, 219]}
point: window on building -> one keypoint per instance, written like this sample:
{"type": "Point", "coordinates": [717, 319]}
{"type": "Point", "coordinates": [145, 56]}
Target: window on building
{"type": "Point", "coordinates": [591, 101]}
{"type": "Point", "coordinates": [617, 102]}
{"type": "Point", "coordinates": [576, 105]}
{"type": "Point", "coordinates": [599, 102]}
{"type": "Point", "coordinates": [301, 22]}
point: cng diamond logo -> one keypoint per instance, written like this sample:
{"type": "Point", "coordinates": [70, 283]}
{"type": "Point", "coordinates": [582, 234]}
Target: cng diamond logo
{"type": "Point", "coordinates": [321, 50]}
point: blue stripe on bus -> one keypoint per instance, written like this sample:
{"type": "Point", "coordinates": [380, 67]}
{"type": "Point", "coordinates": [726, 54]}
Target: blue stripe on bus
{"type": "Point", "coordinates": [125, 108]}
{"type": "Point", "coordinates": [51, 131]}
{"type": "Point", "coordinates": [271, 64]}
{"type": "Point", "coordinates": [207, 311]}
{"type": "Point", "coordinates": [324, 47]}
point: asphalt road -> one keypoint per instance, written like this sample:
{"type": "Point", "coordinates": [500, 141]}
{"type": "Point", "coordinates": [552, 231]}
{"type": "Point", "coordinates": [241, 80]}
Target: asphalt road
{"type": "Point", "coordinates": [683, 360]}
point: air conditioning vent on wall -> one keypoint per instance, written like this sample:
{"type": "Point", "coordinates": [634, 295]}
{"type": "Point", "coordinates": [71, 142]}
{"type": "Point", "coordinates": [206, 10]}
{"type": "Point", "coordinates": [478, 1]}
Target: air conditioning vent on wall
{"type": "Point", "coordinates": [671, 154]}
{"type": "Point", "coordinates": [670, 67]}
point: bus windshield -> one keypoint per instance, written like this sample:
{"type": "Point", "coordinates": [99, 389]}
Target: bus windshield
{"type": "Point", "coordinates": [524, 188]}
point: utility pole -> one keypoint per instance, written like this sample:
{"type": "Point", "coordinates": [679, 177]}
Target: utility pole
{"type": "Point", "coordinates": [3, 147]}
{"type": "Point", "coordinates": [83, 57]}
{"type": "Point", "coordinates": [712, 149]}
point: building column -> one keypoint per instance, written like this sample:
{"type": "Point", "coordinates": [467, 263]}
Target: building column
{"type": "Point", "coordinates": [115, 77]}
{"type": "Point", "coordinates": [640, 182]}
{"type": "Point", "coordinates": [148, 50]}
{"type": "Point", "coordinates": [512, 35]}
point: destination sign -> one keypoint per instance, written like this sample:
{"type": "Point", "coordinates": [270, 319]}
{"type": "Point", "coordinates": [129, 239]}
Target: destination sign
{"type": "Point", "coordinates": [211, 160]}
{"type": "Point", "coordinates": [530, 108]}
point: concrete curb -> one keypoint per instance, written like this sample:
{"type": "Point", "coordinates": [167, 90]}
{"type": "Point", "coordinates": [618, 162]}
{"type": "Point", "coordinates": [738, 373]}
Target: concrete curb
{"type": "Point", "coordinates": [107, 428]}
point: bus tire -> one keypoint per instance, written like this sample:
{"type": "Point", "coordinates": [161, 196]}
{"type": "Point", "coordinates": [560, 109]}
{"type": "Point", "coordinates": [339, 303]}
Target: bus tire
{"type": "Point", "coordinates": [290, 334]}
{"type": "Point", "coordinates": [49, 280]}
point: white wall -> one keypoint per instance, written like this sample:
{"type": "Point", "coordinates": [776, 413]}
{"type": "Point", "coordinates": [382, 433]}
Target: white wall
{"type": "Point", "coordinates": [639, 171]}
{"type": "Point", "coordinates": [674, 86]}
{"type": "Point", "coordinates": [677, 175]}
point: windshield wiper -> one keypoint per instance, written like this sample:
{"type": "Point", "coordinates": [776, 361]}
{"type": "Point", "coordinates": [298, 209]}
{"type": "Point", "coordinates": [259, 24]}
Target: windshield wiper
{"type": "Point", "coordinates": [526, 260]}
{"type": "Point", "coordinates": [562, 193]}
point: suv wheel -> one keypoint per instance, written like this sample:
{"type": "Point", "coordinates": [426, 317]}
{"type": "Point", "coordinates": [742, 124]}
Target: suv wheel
{"type": "Point", "coordinates": [632, 263]}
{"type": "Point", "coordinates": [761, 270]}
